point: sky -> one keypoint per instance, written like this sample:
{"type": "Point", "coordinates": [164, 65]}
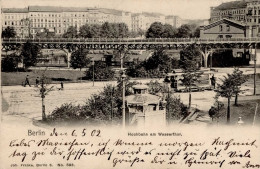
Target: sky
{"type": "Point", "coordinates": [186, 9]}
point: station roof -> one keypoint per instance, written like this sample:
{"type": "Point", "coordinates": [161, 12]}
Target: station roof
{"type": "Point", "coordinates": [143, 99]}
{"type": "Point", "coordinates": [228, 21]}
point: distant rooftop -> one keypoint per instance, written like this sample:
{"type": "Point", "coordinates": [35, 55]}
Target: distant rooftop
{"type": "Point", "coordinates": [171, 16]}
{"type": "Point", "coordinates": [15, 10]}
{"type": "Point", "coordinates": [111, 11]}
{"type": "Point", "coordinates": [233, 5]}
{"type": "Point", "coordinates": [152, 14]}
{"type": "Point", "coordinates": [60, 9]}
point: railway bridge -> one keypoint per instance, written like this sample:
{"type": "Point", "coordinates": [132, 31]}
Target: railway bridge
{"type": "Point", "coordinates": [207, 46]}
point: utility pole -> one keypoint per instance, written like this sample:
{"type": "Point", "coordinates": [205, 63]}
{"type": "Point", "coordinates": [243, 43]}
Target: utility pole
{"type": "Point", "coordinates": [255, 69]}
{"type": "Point", "coordinates": [123, 96]}
{"type": "Point", "coordinates": [168, 104]}
{"type": "Point", "coordinates": [93, 75]}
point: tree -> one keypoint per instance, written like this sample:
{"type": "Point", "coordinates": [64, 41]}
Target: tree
{"type": "Point", "coordinates": [79, 59]}
{"type": "Point", "coordinates": [190, 53]}
{"type": "Point", "coordinates": [189, 80]}
{"type": "Point", "coordinates": [10, 63]}
{"type": "Point", "coordinates": [159, 60]}
{"type": "Point", "coordinates": [176, 110]}
{"type": "Point", "coordinates": [155, 87]}
{"type": "Point", "coordinates": [103, 105]}
{"type": "Point", "coordinates": [185, 31]}
{"type": "Point", "coordinates": [85, 31]}
{"type": "Point", "coordinates": [95, 30]}
{"type": "Point", "coordinates": [101, 72]}
{"type": "Point", "coordinates": [227, 90]}
{"type": "Point", "coordinates": [156, 30]}
{"type": "Point", "coordinates": [123, 30]}
{"type": "Point", "coordinates": [238, 79]}
{"type": "Point", "coordinates": [45, 33]}
{"type": "Point", "coordinates": [169, 31]}
{"type": "Point", "coordinates": [108, 103]}
{"type": "Point", "coordinates": [121, 55]}
{"type": "Point", "coordinates": [8, 32]}
{"type": "Point", "coordinates": [44, 90]}
{"type": "Point", "coordinates": [214, 111]}
{"type": "Point", "coordinates": [106, 30]}
{"type": "Point", "coordinates": [29, 54]}
{"type": "Point", "coordinates": [189, 65]}
{"type": "Point", "coordinates": [71, 32]}
{"type": "Point", "coordinates": [196, 33]}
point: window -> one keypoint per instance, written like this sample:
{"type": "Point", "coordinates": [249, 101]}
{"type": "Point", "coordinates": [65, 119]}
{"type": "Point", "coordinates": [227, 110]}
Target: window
{"type": "Point", "coordinates": [220, 36]}
{"type": "Point", "coordinates": [220, 28]}
{"type": "Point", "coordinates": [228, 28]}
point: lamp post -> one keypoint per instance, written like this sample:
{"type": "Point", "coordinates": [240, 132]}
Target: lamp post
{"type": "Point", "coordinates": [93, 75]}
{"type": "Point", "coordinates": [123, 96]}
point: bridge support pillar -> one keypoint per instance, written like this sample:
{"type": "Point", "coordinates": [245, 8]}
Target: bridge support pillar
{"type": "Point", "coordinates": [255, 56]}
{"type": "Point", "coordinates": [68, 56]}
{"type": "Point", "coordinates": [205, 55]}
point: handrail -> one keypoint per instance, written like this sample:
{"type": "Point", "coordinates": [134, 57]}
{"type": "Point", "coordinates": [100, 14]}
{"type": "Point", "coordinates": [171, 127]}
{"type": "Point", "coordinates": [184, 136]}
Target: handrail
{"type": "Point", "coordinates": [147, 40]}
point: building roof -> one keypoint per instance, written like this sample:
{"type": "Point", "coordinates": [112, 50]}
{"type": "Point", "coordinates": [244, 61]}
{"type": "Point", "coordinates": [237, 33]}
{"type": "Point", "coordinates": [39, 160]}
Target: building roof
{"type": "Point", "coordinates": [140, 86]}
{"type": "Point", "coordinates": [44, 9]}
{"type": "Point", "coordinates": [111, 11]}
{"type": "Point", "coordinates": [231, 22]}
{"type": "Point", "coordinates": [60, 9]}
{"type": "Point", "coordinates": [148, 14]}
{"type": "Point", "coordinates": [15, 10]}
{"type": "Point", "coordinates": [171, 17]}
{"type": "Point", "coordinates": [231, 5]}
{"type": "Point", "coordinates": [143, 99]}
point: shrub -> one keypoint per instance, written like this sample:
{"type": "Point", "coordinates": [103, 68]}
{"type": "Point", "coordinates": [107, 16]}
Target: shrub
{"type": "Point", "coordinates": [101, 72]}
{"type": "Point", "coordinates": [176, 108]}
{"type": "Point", "coordinates": [8, 64]}
{"type": "Point", "coordinates": [69, 112]}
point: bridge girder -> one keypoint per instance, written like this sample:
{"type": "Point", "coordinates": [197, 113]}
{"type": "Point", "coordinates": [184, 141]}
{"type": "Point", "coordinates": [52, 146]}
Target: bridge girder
{"type": "Point", "coordinates": [128, 46]}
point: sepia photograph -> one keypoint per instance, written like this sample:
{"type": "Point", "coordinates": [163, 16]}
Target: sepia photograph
{"type": "Point", "coordinates": [131, 83]}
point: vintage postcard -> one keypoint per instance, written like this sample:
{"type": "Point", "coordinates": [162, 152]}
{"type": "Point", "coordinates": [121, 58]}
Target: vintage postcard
{"type": "Point", "coordinates": [130, 84]}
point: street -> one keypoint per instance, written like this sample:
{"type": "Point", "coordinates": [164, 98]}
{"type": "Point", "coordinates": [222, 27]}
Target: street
{"type": "Point", "coordinates": [24, 103]}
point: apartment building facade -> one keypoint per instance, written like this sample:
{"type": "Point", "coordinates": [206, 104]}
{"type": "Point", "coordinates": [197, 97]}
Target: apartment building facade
{"type": "Point", "coordinates": [36, 19]}
{"type": "Point", "coordinates": [175, 21]}
{"type": "Point", "coordinates": [57, 19]}
{"type": "Point", "coordinates": [246, 12]}
{"type": "Point", "coordinates": [142, 21]}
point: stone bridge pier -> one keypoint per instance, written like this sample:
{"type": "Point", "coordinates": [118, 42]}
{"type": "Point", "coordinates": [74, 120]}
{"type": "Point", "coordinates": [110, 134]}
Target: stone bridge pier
{"type": "Point", "coordinates": [68, 53]}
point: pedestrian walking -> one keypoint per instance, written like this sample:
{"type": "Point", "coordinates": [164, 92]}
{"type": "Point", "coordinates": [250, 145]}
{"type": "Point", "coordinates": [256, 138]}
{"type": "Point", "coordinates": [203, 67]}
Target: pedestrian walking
{"type": "Point", "coordinates": [27, 81]}
{"type": "Point", "coordinates": [61, 85]}
{"type": "Point", "coordinates": [213, 81]}
{"type": "Point", "coordinates": [37, 81]}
